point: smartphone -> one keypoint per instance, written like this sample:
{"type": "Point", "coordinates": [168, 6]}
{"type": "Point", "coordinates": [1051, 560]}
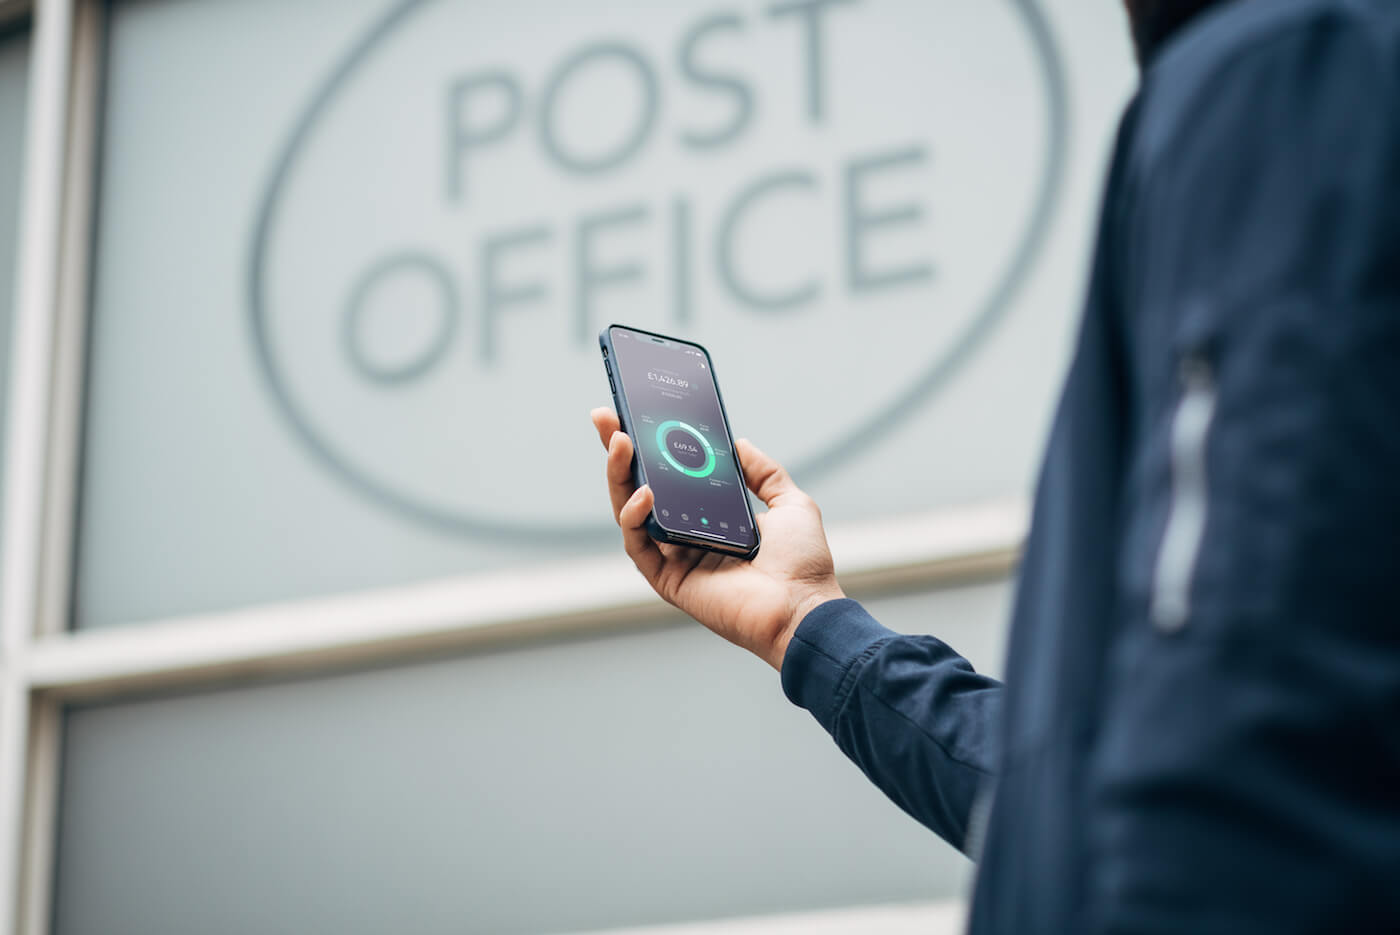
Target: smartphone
{"type": "Point", "coordinates": [668, 401]}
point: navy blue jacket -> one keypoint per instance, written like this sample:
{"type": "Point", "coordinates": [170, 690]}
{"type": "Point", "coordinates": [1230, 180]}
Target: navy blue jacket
{"type": "Point", "coordinates": [1200, 726]}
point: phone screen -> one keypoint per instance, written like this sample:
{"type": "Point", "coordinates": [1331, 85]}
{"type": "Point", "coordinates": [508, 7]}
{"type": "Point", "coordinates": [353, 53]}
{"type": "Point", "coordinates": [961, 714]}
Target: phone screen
{"type": "Point", "coordinates": [680, 435]}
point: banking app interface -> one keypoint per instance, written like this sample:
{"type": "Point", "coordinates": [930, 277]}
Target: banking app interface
{"type": "Point", "coordinates": [678, 428]}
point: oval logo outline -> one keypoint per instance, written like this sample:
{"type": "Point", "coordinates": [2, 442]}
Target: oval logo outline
{"type": "Point", "coordinates": [885, 417]}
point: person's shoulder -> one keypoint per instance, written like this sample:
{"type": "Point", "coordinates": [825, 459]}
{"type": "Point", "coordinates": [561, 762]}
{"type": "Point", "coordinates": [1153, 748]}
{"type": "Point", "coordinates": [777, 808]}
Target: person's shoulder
{"type": "Point", "coordinates": [1241, 27]}
{"type": "Point", "coordinates": [1281, 46]}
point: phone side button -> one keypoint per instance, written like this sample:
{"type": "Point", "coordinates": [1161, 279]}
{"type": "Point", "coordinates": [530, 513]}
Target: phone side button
{"type": "Point", "coordinates": [612, 384]}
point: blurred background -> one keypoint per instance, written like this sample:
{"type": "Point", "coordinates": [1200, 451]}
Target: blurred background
{"type": "Point", "coordinates": [314, 615]}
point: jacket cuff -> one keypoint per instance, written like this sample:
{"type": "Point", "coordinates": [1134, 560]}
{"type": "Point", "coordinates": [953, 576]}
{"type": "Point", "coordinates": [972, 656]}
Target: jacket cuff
{"type": "Point", "coordinates": [830, 646]}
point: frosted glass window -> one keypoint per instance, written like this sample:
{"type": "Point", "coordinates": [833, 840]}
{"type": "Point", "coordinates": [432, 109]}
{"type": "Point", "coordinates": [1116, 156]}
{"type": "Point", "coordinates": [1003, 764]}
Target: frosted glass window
{"type": "Point", "coordinates": [627, 780]}
{"type": "Point", "coordinates": [352, 257]}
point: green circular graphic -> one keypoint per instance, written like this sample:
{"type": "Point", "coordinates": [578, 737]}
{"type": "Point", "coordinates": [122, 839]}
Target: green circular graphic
{"type": "Point", "coordinates": [665, 427]}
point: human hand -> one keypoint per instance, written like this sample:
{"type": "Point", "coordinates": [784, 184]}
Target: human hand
{"type": "Point", "coordinates": [754, 604]}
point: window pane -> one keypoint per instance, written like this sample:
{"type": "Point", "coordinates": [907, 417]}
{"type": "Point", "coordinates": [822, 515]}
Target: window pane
{"type": "Point", "coordinates": [642, 778]}
{"type": "Point", "coordinates": [14, 83]}
{"type": "Point", "coordinates": [353, 255]}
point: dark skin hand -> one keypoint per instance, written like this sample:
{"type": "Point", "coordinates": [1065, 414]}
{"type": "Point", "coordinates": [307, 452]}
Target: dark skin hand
{"type": "Point", "coordinates": [754, 604]}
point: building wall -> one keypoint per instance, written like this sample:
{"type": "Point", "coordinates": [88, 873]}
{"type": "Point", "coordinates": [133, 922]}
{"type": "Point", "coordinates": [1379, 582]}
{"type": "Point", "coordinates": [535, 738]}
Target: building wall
{"type": "Point", "coordinates": [14, 64]}
{"type": "Point", "coordinates": [332, 631]}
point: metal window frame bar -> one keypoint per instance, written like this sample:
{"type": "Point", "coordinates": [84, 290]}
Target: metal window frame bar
{"type": "Point", "coordinates": [27, 451]}
{"type": "Point", "coordinates": [44, 666]}
{"type": "Point", "coordinates": [43, 768]}
{"type": "Point", "coordinates": [940, 548]}
{"type": "Point", "coordinates": [919, 918]}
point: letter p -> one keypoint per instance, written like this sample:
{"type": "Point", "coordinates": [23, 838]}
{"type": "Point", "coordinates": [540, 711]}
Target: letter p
{"type": "Point", "coordinates": [466, 130]}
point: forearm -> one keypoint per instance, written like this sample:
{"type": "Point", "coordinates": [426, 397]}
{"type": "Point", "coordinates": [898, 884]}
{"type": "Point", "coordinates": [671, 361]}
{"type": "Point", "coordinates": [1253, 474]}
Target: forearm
{"type": "Point", "coordinates": [909, 711]}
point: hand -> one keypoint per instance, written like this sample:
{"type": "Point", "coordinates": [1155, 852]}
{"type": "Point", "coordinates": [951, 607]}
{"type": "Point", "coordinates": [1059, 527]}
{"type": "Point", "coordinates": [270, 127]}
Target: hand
{"type": "Point", "coordinates": [754, 604]}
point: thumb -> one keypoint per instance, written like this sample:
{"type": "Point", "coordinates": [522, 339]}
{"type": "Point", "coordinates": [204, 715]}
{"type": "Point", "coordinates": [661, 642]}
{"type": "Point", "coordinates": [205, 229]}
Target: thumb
{"type": "Point", "coordinates": [764, 476]}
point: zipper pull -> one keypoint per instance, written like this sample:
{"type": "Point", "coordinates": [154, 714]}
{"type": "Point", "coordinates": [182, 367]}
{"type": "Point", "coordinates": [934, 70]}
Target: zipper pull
{"type": "Point", "coordinates": [1189, 509]}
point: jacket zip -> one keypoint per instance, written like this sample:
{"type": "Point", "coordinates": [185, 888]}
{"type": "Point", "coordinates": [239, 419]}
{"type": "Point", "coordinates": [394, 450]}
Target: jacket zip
{"type": "Point", "coordinates": [1186, 518]}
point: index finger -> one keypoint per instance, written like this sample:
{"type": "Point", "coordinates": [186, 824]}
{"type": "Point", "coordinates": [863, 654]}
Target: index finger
{"type": "Point", "coordinates": [619, 471]}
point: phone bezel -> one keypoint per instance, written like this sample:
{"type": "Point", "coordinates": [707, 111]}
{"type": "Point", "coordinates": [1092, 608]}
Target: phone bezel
{"type": "Point", "coordinates": [655, 528]}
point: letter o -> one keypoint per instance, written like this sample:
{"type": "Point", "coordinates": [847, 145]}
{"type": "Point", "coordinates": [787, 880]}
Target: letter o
{"type": "Point", "coordinates": [585, 165]}
{"type": "Point", "coordinates": [400, 264]}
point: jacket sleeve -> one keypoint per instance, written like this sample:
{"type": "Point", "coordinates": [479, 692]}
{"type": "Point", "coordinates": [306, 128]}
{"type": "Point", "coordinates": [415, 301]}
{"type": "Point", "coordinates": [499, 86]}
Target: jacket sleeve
{"type": "Point", "coordinates": [908, 710]}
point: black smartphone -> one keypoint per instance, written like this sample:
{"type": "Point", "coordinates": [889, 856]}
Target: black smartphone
{"type": "Point", "coordinates": [668, 401]}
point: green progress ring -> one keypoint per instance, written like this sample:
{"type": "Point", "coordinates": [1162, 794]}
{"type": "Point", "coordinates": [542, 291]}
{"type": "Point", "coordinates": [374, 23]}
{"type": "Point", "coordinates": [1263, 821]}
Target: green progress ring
{"type": "Point", "coordinates": [665, 427]}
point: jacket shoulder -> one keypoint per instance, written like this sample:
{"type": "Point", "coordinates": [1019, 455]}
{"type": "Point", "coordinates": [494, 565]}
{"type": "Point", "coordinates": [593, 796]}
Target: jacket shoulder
{"type": "Point", "coordinates": [1321, 38]}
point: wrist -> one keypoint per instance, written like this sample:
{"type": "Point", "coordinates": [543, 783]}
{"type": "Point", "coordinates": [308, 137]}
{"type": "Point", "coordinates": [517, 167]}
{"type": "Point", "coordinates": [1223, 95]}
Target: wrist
{"type": "Point", "coordinates": [804, 602]}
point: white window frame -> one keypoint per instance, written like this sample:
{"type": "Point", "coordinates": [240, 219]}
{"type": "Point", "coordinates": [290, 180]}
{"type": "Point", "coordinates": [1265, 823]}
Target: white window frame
{"type": "Point", "coordinates": [44, 666]}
